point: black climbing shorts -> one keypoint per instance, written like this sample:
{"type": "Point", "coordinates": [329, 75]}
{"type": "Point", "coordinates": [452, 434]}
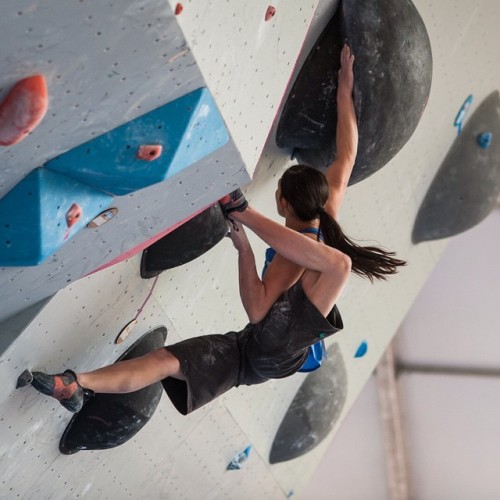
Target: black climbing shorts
{"type": "Point", "coordinates": [276, 347]}
{"type": "Point", "coordinates": [211, 365]}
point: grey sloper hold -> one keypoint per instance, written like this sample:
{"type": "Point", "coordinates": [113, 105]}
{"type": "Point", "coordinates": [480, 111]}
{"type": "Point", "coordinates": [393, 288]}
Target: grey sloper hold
{"type": "Point", "coordinates": [314, 410]}
{"type": "Point", "coordinates": [392, 81]}
{"type": "Point", "coordinates": [466, 187]}
{"type": "Point", "coordinates": [186, 243]}
{"type": "Point", "coordinates": [109, 420]}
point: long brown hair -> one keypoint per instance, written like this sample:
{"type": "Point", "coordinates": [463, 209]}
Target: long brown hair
{"type": "Point", "coordinates": [306, 189]}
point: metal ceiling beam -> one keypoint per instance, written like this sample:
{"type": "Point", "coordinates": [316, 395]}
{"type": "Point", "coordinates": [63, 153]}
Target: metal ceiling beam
{"type": "Point", "coordinates": [462, 371]}
{"type": "Point", "coordinates": [396, 465]}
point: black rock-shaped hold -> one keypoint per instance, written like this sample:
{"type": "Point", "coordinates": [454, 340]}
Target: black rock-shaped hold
{"type": "Point", "coordinates": [392, 71]}
{"type": "Point", "coordinates": [308, 119]}
{"type": "Point", "coordinates": [314, 410]}
{"type": "Point", "coordinates": [109, 420]}
{"type": "Point", "coordinates": [186, 243]}
{"type": "Point", "coordinates": [466, 187]}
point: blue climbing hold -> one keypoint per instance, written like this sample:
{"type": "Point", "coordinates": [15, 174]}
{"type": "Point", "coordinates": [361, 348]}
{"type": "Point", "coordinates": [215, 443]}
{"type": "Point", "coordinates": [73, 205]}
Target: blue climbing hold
{"type": "Point", "coordinates": [41, 213]}
{"type": "Point", "coordinates": [462, 112]}
{"type": "Point", "coordinates": [362, 349]}
{"type": "Point", "coordinates": [186, 130]}
{"type": "Point", "coordinates": [237, 462]}
{"type": "Point", "coordinates": [484, 139]}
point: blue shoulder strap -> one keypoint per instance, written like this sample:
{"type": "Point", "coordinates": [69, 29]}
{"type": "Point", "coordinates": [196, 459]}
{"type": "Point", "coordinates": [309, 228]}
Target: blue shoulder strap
{"type": "Point", "coordinates": [309, 230]}
{"type": "Point", "coordinates": [312, 230]}
{"type": "Point", "coordinates": [271, 252]}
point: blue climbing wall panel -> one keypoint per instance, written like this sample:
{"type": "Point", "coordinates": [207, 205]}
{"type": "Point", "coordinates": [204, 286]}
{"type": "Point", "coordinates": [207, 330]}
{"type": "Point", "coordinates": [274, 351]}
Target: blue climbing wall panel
{"type": "Point", "coordinates": [188, 129]}
{"type": "Point", "coordinates": [41, 213]}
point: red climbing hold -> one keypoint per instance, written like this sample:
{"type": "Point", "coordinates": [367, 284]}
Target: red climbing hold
{"type": "Point", "coordinates": [22, 109]}
{"type": "Point", "coordinates": [270, 12]}
{"type": "Point", "coordinates": [73, 214]}
{"type": "Point", "coordinates": [178, 9]}
{"type": "Point", "coordinates": [149, 152]}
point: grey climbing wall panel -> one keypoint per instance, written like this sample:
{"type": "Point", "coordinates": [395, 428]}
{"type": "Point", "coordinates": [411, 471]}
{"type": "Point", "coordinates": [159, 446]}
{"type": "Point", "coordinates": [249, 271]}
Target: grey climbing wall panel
{"type": "Point", "coordinates": [105, 65]}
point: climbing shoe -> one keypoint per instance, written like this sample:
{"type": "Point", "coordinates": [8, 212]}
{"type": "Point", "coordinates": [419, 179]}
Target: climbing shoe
{"type": "Point", "coordinates": [233, 202]}
{"type": "Point", "coordinates": [64, 387]}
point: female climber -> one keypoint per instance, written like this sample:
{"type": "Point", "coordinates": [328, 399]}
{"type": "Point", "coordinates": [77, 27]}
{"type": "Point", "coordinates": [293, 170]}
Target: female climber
{"type": "Point", "coordinates": [291, 308]}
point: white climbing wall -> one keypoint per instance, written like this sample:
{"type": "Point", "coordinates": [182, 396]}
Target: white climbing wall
{"type": "Point", "coordinates": [249, 67]}
{"type": "Point", "coordinates": [247, 63]}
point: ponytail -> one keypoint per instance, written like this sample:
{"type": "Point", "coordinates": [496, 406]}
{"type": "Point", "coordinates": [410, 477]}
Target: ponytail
{"type": "Point", "coordinates": [307, 190]}
{"type": "Point", "coordinates": [368, 262]}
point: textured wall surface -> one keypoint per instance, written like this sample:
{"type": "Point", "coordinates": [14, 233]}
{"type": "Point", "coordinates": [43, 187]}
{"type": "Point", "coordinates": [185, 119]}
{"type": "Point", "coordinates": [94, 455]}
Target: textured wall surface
{"type": "Point", "coordinates": [110, 62]}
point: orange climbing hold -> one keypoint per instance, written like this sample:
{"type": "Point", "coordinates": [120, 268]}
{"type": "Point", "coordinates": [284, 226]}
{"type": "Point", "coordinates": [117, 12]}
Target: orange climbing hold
{"type": "Point", "coordinates": [149, 152]}
{"type": "Point", "coordinates": [23, 109]}
{"type": "Point", "coordinates": [270, 12]}
{"type": "Point", "coordinates": [72, 217]}
{"type": "Point", "coordinates": [73, 214]}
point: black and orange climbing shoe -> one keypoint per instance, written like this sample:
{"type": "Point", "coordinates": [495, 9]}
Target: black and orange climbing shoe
{"type": "Point", "coordinates": [64, 387]}
{"type": "Point", "coordinates": [233, 202]}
